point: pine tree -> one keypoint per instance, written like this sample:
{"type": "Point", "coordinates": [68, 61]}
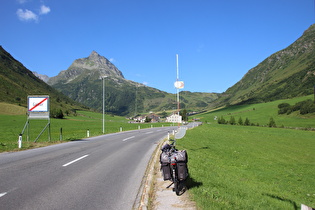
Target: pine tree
{"type": "Point", "coordinates": [272, 123]}
{"type": "Point", "coordinates": [240, 121]}
{"type": "Point", "coordinates": [232, 120]}
{"type": "Point", "coordinates": [247, 122]}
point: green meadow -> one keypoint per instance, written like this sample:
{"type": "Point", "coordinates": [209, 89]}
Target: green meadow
{"type": "Point", "coordinates": [252, 167]}
{"type": "Point", "coordinates": [261, 113]}
{"type": "Point", "coordinates": [71, 128]}
{"type": "Point", "coordinates": [249, 167]}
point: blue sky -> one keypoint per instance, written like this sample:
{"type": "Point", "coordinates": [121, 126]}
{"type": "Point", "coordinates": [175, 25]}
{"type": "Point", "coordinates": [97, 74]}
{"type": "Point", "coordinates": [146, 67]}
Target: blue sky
{"type": "Point", "coordinates": [217, 41]}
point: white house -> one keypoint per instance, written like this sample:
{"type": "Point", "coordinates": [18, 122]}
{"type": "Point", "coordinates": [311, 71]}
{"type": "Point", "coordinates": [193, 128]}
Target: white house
{"type": "Point", "coordinates": [174, 118]}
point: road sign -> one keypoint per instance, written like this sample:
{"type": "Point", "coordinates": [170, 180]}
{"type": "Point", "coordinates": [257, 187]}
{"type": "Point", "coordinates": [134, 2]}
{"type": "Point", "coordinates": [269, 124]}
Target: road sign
{"type": "Point", "coordinates": [179, 84]}
{"type": "Point", "coordinates": [38, 103]}
{"type": "Point", "coordinates": [38, 106]}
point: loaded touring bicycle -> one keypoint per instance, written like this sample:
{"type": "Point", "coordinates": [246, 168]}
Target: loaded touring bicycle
{"type": "Point", "coordinates": [174, 164]}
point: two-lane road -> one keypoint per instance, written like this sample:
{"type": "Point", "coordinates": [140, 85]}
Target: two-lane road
{"type": "Point", "coordinates": [103, 172]}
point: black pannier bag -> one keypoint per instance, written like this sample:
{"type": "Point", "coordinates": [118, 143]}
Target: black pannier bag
{"type": "Point", "coordinates": [182, 159]}
{"type": "Point", "coordinates": [165, 166]}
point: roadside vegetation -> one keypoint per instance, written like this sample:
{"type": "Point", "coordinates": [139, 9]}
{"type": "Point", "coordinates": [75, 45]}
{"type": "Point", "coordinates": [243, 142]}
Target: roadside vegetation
{"type": "Point", "coordinates": [234, 166]}
{"type": "Point", "coordinates": [71, 127]}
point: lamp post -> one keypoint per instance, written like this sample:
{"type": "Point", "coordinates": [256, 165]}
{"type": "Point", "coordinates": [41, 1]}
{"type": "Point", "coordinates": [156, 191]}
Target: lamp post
{"type": "Point", "coordinates": [103, 78]}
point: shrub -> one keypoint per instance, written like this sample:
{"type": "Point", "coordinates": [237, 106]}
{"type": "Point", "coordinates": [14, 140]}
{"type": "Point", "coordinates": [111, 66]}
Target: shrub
{"type": "Point", "coordinates": [232, 120]}
{"type": "Point", "coordinates": [305, 107]}
{"type": "Point", "coordinates": [221, 120]}
{"type": "Point", "coordinates": [272, 123]}
{"type": "Point", "coordinates": [240, 121]}
{"type": "Point", "coordinates": [57, 114]}
{"type": "Point", "coordinates": [283, 105]}
{"type": "Point", "coordinates": [247, 122]}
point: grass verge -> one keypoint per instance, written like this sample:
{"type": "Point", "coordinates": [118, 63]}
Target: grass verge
{"type": "Point", "coordinates": [73, 128]}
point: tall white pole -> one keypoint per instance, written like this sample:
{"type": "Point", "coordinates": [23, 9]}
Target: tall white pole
{"type": "Point", "coordinates": [103, 78]}
{"type": "Point", "coordinates": [177, 77]}
{"type": "Point", "coordinates": [177, 74]}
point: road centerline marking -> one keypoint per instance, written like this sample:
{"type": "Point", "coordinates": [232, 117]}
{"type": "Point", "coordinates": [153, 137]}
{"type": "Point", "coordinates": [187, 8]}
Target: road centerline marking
{"type": "Point", "coordinates": [131, 137]}
{"type": "Point", "coordinates": [75, 160]}
{"type": "Point", "coordinates": [3, 194]}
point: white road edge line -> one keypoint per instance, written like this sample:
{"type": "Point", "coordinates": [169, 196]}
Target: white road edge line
{"type": "Point", "coordinates": [75, 160]}
{"type": "Point", "coordinates": [3, 194]}
{"type": "Point", "coordinates": [131, 137]}
{"type": "Point", "coordinates": [149, 132]}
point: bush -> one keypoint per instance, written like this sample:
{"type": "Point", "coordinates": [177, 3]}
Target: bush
{"type": "Point", "coordinates": [272, 123]}
{"type": "Point", "coordinates": [240, 121]}
{"type": "Point", "coordinates": [305, 107]}
{"type": "Point", "coordinates": [247, 122]}
{"type": "Point", "coordinates": [221, 120]}
{"type": "Point", "coordinates": [57, 114]}
{"type": "Point", "coordinates": [232, 120]}
{"type": "Point", "coordinates": [284, 108]}
{"type": "Point", "coordinates": [283, 105]}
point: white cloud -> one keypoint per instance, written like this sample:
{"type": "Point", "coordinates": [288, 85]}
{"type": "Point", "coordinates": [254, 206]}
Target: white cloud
{"type": "Point", "coordinates": [44, 10]}
{"type": "Point", "coordinates": [112, 60]}
{"type": "Point", "coordinates": [26, 15]}
{"type": "Point", "coordinates": [145, 83]}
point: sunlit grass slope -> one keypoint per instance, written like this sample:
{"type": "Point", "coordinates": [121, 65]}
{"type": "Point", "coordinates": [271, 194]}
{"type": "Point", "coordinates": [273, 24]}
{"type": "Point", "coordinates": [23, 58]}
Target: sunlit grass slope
{"type": "Point", "coordinates": [261, 113]}
{"type": "Point", "coordinates": [250, 167]}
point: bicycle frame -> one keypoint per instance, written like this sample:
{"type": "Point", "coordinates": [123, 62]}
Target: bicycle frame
{"type": "Point", "coordinates": [173, 165]}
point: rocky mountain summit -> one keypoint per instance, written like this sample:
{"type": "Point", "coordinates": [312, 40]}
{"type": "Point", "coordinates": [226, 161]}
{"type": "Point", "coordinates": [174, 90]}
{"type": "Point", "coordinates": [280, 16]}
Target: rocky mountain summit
{"type": "Point", "coordinates": [95, 65]}
{"type": "Point", "coordinates": [43, 77]}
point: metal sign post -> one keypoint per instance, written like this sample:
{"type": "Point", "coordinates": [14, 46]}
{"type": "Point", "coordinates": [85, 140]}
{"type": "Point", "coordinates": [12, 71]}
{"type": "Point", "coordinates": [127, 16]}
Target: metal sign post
{"type": "Point", "coordinates": [38, 108]}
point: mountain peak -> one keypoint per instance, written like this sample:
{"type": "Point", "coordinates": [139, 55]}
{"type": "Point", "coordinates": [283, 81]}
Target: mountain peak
{"type": "Point", "coordinates": [93, 66]}
{"type": "Point", "coordinates": [94, 54]}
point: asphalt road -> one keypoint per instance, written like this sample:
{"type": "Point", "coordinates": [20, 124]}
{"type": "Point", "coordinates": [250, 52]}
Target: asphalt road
{"type": "Point", "coordinates": [103, 172]}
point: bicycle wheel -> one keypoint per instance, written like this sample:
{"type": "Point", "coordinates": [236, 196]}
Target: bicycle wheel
{"type": "Point", "coordinates": [177, 187]}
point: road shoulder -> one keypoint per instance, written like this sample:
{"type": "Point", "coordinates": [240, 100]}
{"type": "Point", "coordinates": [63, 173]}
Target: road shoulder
{"type": "Point", "coordinates": [156, 195]}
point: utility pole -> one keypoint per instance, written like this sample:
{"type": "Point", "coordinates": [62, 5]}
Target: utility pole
{"type": "Point", "coordinates": [178, 85]}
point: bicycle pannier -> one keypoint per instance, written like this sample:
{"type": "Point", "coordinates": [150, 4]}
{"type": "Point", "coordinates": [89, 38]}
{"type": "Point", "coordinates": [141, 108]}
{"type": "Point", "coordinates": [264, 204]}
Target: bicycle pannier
{"type": "Point", "coordinates": [165, 166]}
{"type": "Point", "coordinates": [182, 171]}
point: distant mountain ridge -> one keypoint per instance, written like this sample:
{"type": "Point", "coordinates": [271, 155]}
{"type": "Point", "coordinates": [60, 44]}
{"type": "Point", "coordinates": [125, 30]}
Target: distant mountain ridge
{"type": "Point", "coordinates": [43, 77]}
{"type": "Point", "coordinates": [82, 81]}
{"type": "Point", "coordinates": [17, 82]}
{"type": "Point", "coordinates": [285, 74]}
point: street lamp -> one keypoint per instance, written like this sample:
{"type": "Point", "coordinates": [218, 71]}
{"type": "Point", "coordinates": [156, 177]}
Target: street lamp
{"type": "Point", "coordinates": [103, 78]}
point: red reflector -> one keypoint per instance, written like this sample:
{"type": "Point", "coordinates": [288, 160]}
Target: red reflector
{"type": "Point", "coordinates": [173, 164]}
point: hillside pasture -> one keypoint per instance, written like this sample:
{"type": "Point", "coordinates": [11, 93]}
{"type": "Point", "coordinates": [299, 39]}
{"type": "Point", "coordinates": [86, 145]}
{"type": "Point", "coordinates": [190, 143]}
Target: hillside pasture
{"type": "Point", "coordinates": [260, 114]}
{"type": "Point", "coordinates": [250, 167]}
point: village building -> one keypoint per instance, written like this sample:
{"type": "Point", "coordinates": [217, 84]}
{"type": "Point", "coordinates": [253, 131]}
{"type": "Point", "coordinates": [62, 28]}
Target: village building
{"type": "Point", "coordinates": [142, 119]}
{"type": "Point", "coordinates": [174, 118]}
